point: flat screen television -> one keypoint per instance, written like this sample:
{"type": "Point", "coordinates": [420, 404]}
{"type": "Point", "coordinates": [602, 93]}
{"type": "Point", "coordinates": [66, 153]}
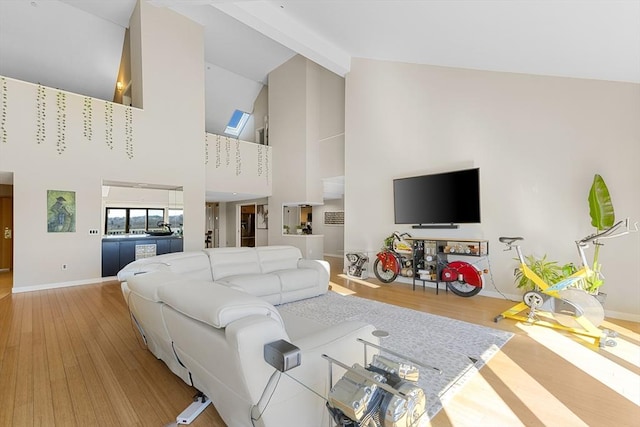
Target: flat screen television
{"type": "Point", "coordinates": [442, 198]}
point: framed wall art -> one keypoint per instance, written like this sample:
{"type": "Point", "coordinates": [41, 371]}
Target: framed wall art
{"type": "Point", "coordinates": [61, 211]}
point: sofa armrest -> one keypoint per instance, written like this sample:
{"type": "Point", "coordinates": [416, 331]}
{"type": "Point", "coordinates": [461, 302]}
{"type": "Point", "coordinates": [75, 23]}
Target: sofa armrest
{"type": "Point", "coordinates": [135, 268]}
{"type": "Point", "coordinates": [214, 304]}
{"type": "Point", "coordinates": [304, 386]}
{"type": "Point", "coordinates": [147, 285]}
{"type": "Point", "coordinates": [338, 341]}
{"type": "Point", "coordinates": [321, 266]}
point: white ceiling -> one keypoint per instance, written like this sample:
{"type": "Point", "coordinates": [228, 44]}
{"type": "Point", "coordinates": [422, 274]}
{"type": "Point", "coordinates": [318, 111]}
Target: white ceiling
{"type": "Point", "coordinates": [76, 45]}
{"type": "Point", "coordinates": [594, 39]}
{"type": "Point", "coordinates": [61, 46]}
{"type": "Point", "coordinates": [598, 39]}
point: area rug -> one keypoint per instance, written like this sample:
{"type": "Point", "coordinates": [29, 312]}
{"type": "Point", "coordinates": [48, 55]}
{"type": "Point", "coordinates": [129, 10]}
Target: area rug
{"type": "Point", "coordinates": [458, 349]}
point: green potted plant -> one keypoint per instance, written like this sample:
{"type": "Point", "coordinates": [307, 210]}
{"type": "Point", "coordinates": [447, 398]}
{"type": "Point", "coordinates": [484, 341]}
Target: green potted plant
{"type": "Point", "coordinates": [602, 217]}
{"type": "Point", "coordinates": [549, 271]}
{"type": "Point", "coordinates": [299, 229]}
{"type": "Point", "coordinates": [285, 229]}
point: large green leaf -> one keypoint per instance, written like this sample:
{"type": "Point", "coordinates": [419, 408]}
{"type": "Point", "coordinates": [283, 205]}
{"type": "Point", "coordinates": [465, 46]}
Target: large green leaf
{"type": "Point", "coordinates": [600, 206]}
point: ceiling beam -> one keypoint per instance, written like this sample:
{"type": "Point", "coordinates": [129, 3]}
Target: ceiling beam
{"type": "Point", "coordinates": [274, 23]}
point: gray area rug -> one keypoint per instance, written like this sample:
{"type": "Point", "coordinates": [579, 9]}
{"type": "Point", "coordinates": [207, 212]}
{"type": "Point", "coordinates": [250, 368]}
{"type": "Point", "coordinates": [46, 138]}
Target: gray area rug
{"type": "Point", "coordinates": [459, 349]}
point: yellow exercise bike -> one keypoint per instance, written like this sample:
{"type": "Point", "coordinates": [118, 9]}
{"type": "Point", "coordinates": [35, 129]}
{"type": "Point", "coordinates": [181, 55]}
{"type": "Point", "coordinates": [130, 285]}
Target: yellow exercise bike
{"type": "Point", "coordinates": [562, 305]}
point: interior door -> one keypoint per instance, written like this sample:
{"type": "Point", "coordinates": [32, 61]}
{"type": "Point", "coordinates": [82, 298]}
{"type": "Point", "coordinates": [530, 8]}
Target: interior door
{"type": "Point", "coordinates": [248, 225]}
{"type": "Point", "coordinates": [6, 233]}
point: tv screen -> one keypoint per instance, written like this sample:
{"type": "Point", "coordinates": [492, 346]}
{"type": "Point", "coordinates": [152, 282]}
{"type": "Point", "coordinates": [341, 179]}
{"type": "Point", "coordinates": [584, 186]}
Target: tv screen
{"type": "Point", "coordinates": [443, 198]}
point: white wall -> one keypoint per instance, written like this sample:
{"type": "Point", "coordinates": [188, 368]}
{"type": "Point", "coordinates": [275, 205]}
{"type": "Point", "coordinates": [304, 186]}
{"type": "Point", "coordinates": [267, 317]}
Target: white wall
{"type": "Point", "coordinates": [306, 109]}
{"type": "Point", "coordinates": [333, 234]}
{"type": "Point", "coordinates": [537, 140]}
{"type": "Point", "coordinates": [258, 115]}
{"type": "Point", "coordinates": [288, 103]}
{"type": "Point", "coordinates": [238, 166]}
{"type": "Point", "coordinates": [166, 148]}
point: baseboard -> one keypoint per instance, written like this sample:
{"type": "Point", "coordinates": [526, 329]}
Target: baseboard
{"type": "Point", "coordinates": [47, 286]}
{"type": "Point", "coordinates": [518, 298]}
{"type": "Point", "coordinates": [334, 255]}
{"type": "Point", "coordinates": [622, 316]}
{"type": "Point", "coordinates": [488, 292]}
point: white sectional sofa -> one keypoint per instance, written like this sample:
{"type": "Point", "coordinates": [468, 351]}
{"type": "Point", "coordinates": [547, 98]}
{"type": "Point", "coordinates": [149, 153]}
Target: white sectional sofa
{"type": "Point", "coordinates": [207, 317]}
{"type": "Point", "coordinates": [277, 274]}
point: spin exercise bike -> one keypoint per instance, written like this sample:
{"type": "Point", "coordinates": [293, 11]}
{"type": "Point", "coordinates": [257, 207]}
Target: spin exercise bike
{"type": "Point", "coordinates": [561, 305]}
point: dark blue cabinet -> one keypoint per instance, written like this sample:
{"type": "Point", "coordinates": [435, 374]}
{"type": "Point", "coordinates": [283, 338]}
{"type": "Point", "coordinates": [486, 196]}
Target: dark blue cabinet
{"type": "Point", "coordinates": [163, 246]}
{"type": "Point", "coordinates": [117, 252]}
{"type": "Point", "coordinates": [110, 258]}
{"type": "Point", "coordinates": [177, 245]}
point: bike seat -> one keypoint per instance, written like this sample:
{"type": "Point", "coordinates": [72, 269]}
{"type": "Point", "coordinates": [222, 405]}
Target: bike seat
{"type": "Point", "coordinates": [509, 240]}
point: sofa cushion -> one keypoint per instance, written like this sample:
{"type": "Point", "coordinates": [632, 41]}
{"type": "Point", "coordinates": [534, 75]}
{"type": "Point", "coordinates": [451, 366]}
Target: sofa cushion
{"type": "Point", "coordinates": [214, 304]}
{"type": "Point", "coordinates": [232, 261]}
{"type": "Point", "coordinates": [298, 327]}
{"type": "Point", "coordinates": [298, 278]}
{"type": "Point", "coordinates": [193, 265]}
{"type": "Point", "coordinates": [147, 285]}
{"type": "Point", "coordinates": [254, 284]}
{"type": "Point", "coordinates": [273, 258]}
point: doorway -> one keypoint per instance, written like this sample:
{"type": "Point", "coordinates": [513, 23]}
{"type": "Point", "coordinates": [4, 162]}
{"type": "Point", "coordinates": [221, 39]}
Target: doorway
{"type": "Point", "coordinates": [6, 233]}
{"type": "Point", "coordinates": [247, 226]}
{"type": "Point", "coordinates": [212, 225]}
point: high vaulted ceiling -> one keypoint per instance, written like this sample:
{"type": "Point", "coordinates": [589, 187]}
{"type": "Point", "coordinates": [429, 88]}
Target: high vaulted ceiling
{"type": "Point", "coordinates": [76, 44]}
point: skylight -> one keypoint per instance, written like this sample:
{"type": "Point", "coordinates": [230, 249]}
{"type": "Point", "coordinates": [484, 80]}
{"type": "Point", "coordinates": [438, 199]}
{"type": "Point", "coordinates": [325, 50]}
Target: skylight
{"type": "Point", "coordinates": [236, 123]}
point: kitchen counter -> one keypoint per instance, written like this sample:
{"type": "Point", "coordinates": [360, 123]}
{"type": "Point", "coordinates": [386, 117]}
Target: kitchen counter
{"type": "Point", "coordinates": [113, 237]}
{"type": "Point", "coordinates": [120, 250]}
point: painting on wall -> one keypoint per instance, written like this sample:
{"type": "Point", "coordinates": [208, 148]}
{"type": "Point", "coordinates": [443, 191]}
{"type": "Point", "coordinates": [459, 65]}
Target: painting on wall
{"type": "Point", "coordinates": [334, 218]}
{"type": "Point", "coordinates": [61, 211]}
{"type": "Point", "coordinates": [262, 216]}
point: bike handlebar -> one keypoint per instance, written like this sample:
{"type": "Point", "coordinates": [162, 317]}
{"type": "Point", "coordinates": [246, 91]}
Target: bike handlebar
{"type": "Point", "coordinates": [608, 233]}
{"type": "Point", "coordinates": [399, 235]}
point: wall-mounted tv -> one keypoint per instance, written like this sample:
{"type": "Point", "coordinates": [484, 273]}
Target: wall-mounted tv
{"type": "Point", "coordinates": [442, 198]}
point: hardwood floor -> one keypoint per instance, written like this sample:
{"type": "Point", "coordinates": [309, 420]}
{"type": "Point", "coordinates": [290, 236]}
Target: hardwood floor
{"type": "Point", "coordinates": [6, 282]}
{"type": "Point", "coordinates": [70, 357]}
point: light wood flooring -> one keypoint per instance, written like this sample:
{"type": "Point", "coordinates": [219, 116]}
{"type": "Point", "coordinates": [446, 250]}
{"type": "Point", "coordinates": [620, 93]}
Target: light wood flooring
{"type": "Point", "coordinates": [6, 281]}
{"type": "Point", "coordinates": [70, 357]}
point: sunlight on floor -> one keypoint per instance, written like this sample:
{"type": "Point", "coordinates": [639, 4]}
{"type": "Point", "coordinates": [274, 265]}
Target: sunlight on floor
{"type": "Point", "coordinates": [540, 401]}
{"type": "Point", "coordinates": [497, 415]}
{"type": "Point", "coordinates": [589, 360]}
{"type": "Point", "coordinates": [362, 282]}
{"type": "Point", "coordinates": [341, 289]}
{"type": "Point", "coordinates": [516, 391]}
{"type": "Point", "coordinates": [621, 330]}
